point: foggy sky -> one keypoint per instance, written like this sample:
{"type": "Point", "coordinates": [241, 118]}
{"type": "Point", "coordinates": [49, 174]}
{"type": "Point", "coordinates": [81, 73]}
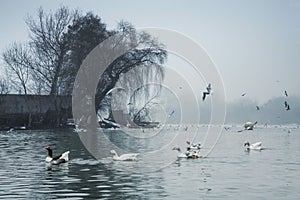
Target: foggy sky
{"type": "Point", "coordinates": [254, 44]}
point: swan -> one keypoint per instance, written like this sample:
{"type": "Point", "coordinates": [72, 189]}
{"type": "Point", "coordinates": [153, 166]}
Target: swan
{"type": "Point", "coordinates": [255, 146]}
{"type": "Point", "coordinates": [124, 157]}
{"type": "Point", "coordinates": [62, 158]}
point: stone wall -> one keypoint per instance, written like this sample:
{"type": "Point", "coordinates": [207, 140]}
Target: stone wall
{"type": "Point", "coordinates": [34, 110]}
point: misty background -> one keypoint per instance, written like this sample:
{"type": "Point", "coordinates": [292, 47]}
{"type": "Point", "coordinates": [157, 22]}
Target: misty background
{"type": "Point", "coordinates": [255, 46]}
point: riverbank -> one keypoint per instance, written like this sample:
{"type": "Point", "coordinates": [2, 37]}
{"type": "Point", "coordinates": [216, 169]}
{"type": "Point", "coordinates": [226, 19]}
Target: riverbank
{"type": "Point", "coordinates": [34, 111]}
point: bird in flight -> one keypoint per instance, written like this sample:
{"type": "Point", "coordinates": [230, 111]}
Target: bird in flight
{"type": "Point", "coordinates": [286, 105]}
{"type": "Point", "coordinates": [207, 92]}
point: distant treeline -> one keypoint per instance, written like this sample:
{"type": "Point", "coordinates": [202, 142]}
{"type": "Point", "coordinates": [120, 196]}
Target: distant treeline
{"type": "Point", "coordinates": [271, 112]}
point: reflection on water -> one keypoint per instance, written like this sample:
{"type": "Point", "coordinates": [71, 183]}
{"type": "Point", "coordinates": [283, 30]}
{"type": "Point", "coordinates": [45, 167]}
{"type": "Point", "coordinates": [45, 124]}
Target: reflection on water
{"type": "Point", "coordinates": [228, 173]}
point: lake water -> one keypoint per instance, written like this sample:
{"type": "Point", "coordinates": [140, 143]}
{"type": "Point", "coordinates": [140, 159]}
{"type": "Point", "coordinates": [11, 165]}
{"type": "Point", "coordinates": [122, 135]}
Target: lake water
{"type": "Point", "coordinates": [227, 173]}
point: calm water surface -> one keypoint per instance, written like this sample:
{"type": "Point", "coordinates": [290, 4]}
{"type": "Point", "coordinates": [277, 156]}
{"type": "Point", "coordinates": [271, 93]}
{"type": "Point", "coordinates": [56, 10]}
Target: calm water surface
{"type": "Point", "coordinates": [228, 173]}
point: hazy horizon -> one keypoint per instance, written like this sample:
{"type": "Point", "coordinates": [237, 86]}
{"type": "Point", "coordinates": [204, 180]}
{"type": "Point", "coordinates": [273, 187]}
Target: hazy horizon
{"type": "Point", "coordinates": [254, 45]}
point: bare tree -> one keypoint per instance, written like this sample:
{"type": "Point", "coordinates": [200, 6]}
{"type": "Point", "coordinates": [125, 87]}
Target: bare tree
{"type": "Point", "coordinates": [4, 88]}
{"type": "Point", "coordinates": [17, 63]}
{"type": "Point", "coordinates": [49, 47]}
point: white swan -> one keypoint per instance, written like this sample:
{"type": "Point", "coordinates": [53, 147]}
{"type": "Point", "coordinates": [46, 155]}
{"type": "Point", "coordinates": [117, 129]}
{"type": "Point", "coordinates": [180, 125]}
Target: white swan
{"type": "Point", "coordinates": [255, 146]}
{"type": "Point", "coordinates": [62, 158]}
{"type": "Point", "coordinates": [124, 157]}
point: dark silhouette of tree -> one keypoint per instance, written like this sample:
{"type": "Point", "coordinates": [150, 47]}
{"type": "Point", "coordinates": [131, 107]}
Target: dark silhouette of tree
{"type": "Point", "coordinates": [146, 54]}
{"type": "Point", "coordinates": [17, 66]}
{"type": "Point", "coordinates": [4, 87]}
{"type": "Point", "coordinates": [49, 47]}
{"type": "Point", "coordinates": [84, 34]}
{"type": "Point", "coordinates": [61, 40]}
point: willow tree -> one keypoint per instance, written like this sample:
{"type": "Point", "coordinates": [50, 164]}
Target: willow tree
{"type": "Point", "coordinates": [61, 40]}
{"type": "Point", "coordinates": [142, 65]}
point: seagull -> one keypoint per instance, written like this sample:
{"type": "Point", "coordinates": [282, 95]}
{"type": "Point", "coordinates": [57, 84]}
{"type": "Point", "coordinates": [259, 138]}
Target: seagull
{"type": "Point", "coordinates": [286, 105]}
{"type": "Point", "coordinates": [188, 154]}
{"type": "Point", "coordinates": [193, 146]}
{"type": "Point", "coordinates": [208, 90]}
{"type": "Point", "coordinates": [285, 93]}
{"type": "Point", "coordinates": [171, 113]}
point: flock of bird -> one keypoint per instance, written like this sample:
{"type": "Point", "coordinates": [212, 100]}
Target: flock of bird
{"type": "Point", "coordinates": [192, 150]}
{"type": "Point", "coordinates": [209, 91]}
{"type": "Point", "coordinates": [286, 104]}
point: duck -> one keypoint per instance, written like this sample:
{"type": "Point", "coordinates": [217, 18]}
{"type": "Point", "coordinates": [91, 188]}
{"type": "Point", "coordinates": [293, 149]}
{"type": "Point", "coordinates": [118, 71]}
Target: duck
{"type": "Point", "coordinates": [62, 158]}
{"type": "Point", "coordinates": [254, 146]}
{"type": "Point", "coordinates": [124, 157]}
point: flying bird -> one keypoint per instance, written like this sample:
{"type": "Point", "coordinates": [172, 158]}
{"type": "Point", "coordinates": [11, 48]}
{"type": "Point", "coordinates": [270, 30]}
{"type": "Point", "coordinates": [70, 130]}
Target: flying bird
{"type": "Point", "coordinates": [286, 105]}
{"type": "Point", "coordinates": [208, 90]}
{"type": "Point", "coordinates": [171, 113]}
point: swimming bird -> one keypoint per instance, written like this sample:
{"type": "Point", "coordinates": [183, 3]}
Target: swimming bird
{"type": "Point", "coordinates": [243, 94]}
{"type": "Point", "coordinates": [180, 153]}
{"type": "Point", "coordinates": [248, 126]}
{"type": "Point", "coordinates": [124, 157]}
{"type": "Point", "coordinates": [62, 158]}
{"type": "Point", "coordinates": [193, 146]}
{"type": "Point", "coordinates": [208, 90]}
{"type": "Point", "coordinates": [188, 154]}
{"type": "Point", "coordinates": [288, 107]}
{"type": "Point", "coordinates": [285, 93]}
{"type": "Point", "coordinates": [257, 108]}
{"type": "Point", "coordinates": [255, 146]}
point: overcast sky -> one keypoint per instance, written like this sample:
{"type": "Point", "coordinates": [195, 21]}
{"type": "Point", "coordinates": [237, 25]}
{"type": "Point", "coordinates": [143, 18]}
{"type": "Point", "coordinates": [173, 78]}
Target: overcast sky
{"type": "Point", "coordinates": [254, 44]}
